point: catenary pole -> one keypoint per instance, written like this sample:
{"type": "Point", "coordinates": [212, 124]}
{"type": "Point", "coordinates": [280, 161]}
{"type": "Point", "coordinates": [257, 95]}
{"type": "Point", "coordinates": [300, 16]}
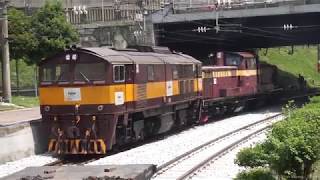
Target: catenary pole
{"type": "Point", "coordinates": [6, 84]}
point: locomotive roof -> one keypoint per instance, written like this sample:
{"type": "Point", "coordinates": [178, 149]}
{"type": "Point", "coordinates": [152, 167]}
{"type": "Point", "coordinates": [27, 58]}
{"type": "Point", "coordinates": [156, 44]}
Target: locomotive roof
{"type": "Point", "coordinates": [130, 57]}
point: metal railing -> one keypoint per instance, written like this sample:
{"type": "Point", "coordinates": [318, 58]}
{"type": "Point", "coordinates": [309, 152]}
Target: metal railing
{"type": "Point", "coordinates": [87, 12]}
{"type": "Point", "coordinates": [183, 6]}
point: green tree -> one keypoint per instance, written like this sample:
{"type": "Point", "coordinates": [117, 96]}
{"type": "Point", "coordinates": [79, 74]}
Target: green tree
{"type": "Point", "coordinates": [22, 40]}
{"type": "Point", "coordinates": [292, 147]}
{"type": "Point", "coordinates": [252, 157]}
{"type": "Point", "coordinates": [255, 174]}
{"type": "Point", "coordinates": [52, 30]}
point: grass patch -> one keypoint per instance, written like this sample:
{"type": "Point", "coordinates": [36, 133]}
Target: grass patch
{"type": "Point", "coordinates": [303, 61]}
{"type": "Point", "coordinates": [7, 107]}
{"type": "Point", "coordinates": [25, 101]}
{"type": "Point", "coordinates": [316, 173]}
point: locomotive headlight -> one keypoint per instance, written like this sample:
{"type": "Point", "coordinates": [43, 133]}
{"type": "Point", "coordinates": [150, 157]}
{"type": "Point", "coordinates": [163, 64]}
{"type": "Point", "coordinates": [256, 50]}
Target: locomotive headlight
{"type": "Point", "coordinates": [47, 108]}
{"type": "Point", "coordinates": [74, 57]}
{"type": "Point", "coordinates": [68, 57]}
{"type": "Point", "coordinates": [76, 107]}
{"type": "Point", "coordinates": [100, 107]}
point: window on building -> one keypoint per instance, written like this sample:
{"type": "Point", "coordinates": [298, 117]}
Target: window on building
{"type": "Point", "coordinates": [118, 73]}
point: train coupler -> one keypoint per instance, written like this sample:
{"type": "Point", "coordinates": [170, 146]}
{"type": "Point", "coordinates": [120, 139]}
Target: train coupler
{"type": "Point", "coordinates": [77, 146]}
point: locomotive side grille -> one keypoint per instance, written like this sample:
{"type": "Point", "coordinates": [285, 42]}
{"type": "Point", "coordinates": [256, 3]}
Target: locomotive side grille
{"type": "Point", "coordinates": [141, 95]}
{"type": "Point", "coordinates": [141, 91]}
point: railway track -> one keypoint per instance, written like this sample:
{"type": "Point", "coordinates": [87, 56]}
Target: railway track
{"type": "Point", "coordinates": [74, 160]}
{"type": "Point", "coordinates": [188, 164]}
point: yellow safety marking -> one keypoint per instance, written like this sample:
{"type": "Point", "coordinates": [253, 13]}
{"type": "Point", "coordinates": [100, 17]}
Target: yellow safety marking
{"type": "Point", "coordinates": [51, 143]}
{"type": "Point", "coordinates": [77, 141]}
{"type": "Point", "coordinates": [74, 146]}
{"type": "Point", "coordinates": [103, 146]}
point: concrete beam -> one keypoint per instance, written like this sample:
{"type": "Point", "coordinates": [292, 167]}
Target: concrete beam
{"type": "Point", "coordinates": [105, 24]}
{"type": "Point", "coordinates": [165, 17]}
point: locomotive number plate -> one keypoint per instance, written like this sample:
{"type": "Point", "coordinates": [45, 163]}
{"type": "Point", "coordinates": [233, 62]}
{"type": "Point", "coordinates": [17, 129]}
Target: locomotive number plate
{"type": "Point", "coordinates": [119, 98]}
{"type": "Point", "coordinates": [169, 88]}
{"type": "Point", "coordinates": [72, 94]}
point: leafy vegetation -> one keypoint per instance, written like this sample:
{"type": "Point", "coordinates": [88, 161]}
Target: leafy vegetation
{"type": "Point", "coordinates": [41, 35]}
{"type": "Point", "coordinates": [256, 174]}
{"type": "Point", "coordinates": [25, 101]}
{"type": "Point", "coordinates": [52, 30]}
{"type": "Point", "coordinates": [27, 75]}
{"type": "Point", "coordinates": [7, 107]}
{"type": "Point", "coordinates": [303, 61]}
{"type": "Point", "coordinates": [22, 40]}
{"type": "Point", "coordinates": [292, 147]}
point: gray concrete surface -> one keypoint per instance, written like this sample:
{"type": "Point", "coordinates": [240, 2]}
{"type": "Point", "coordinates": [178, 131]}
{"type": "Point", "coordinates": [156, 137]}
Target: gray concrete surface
{"type": "Point", "coordinates": [132, 172]}
{"type": "Point", "coordinates": [8, 118]}
{"type": "Point", "coordinates": [168, 17]}
{"type": "Point", "coordinates": [21, 134]}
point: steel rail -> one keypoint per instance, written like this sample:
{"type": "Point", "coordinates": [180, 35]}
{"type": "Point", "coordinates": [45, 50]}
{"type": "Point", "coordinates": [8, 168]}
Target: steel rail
{"type": "Point", "coordinates": [61, 162]}
{"type": "Point", "coordinates": [190, 173]}
{"type": "Point", "coordinates": [168, 165]}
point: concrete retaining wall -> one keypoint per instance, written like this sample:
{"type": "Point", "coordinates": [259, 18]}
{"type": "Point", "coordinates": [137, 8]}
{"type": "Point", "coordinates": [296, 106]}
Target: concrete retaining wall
{"type": "Point", "coordinates": [22, 140]}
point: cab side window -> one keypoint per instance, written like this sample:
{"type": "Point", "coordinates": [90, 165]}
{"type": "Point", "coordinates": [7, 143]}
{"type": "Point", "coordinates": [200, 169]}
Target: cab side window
{"type": "Point", "coordinates": [118, 73]}
{"type": "Point", "coordinates": [151, 73]}
{"type": "Point", "coordinates": [175, 72]}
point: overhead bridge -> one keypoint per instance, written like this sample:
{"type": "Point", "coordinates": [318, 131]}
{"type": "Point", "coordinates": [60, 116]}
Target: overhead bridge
{"type": "Point", "coordinates": [192, 26]}
{"type": "Point", "coordinates": [200, 27]}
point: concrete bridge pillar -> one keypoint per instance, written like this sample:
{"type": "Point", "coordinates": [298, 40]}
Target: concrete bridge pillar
{"type": "Point", "coordinates": [150, 39]}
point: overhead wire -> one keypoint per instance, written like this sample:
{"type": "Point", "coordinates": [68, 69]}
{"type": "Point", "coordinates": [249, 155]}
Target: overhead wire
{"type": "Point", "coordinates": [178, 40]}
{"type": "Point", "coordinates": [203, 36]}
{"type": "Point", "coordinates": [226, 23]}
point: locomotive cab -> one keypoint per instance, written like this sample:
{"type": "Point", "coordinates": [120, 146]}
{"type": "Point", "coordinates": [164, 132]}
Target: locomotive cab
{"type": "Point", "coordinates": [73, 95]}
{"type": "Point", "coordinates": [233, 74]}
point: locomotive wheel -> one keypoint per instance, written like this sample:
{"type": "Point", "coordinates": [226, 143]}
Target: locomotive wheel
{"type": "Point", "coordinates": [151, 126]}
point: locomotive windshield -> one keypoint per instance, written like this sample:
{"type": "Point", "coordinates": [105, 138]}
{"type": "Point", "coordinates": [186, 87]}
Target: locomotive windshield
{"type": "Point", "coordinates": [232, 60]}
{"type": "Point", "coordinates": [78, 72]}
{"type": "Point", "coordinates": [55, 72]}
{"type": "Point", "coordinates": [89, 71]}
